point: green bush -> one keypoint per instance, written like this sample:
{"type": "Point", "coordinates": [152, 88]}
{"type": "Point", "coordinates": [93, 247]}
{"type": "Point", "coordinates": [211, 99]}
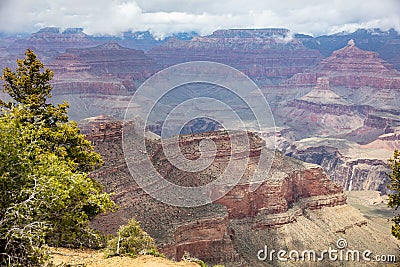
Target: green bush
{"type": "Point", "coordinates": [131, 240]}
{"type": "Point", "coordinates": [203, 264]}
{"type": "Point", "coordinates": [186, 257]}
{"type": "Point", "coordinates": [153, 252]}
{"type": "Point", "coordinates": [394, 195]}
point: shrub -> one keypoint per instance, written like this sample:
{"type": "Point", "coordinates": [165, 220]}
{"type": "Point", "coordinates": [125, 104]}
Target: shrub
{"type": "Point", "coordinates": [394, 196]}
{"type": "Point", "coordinates": [152, 252]}
{"type": "Point", "coordinates": [188, 258]}
{"type": "Point", "coordinates": [131, 240]}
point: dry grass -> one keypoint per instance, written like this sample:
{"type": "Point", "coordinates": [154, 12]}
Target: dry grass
{"type": "Point", "coordinates": [93, 258]}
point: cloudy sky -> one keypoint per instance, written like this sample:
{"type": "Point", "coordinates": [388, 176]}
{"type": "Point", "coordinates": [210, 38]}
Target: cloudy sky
{"type": "Point", "coordinates": [163, 17]}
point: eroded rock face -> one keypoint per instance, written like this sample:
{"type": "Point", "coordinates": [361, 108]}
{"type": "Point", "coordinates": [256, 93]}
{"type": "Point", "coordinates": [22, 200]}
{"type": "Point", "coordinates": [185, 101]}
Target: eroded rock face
{"type": "Point", "coordinates": [266, 55]}
{"type": "Point", "coordinates": [354, 95]}
{"type": "Point", "coordinates": [99, 80]}
{"type": "Point", "coordinates": [291, 189]}
{"type": "Point", "coordinates": [304, 188]}
{"type": "Point", "coordinates": [384, 42]}
{"type": "Point", "coordinates": [90, 86]}
{"type": "Point", "coordinates": [353, 68]}
{"type": "Point", "coordinates": [107, 61]}
{"type": "Point", "coordinates": [353, 103]}
{"type": "Point", "coordinates": [355, 166]}
{"type": "Point", "coordinates": [209, 239]}
{"type": "Point", "coordinates": [322, 112]}
{"type": "Point", "coordinates": [111, 58]}
{"type": "Point", "coordinates": [352, 173]}
{"type": "Point", "coordinates": [52, 40]}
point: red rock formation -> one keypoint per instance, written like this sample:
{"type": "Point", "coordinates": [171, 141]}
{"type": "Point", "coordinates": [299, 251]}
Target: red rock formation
{"type": "Point", "coordinates": [354, 68]}
{"type": "Point", "coordinates": [322, 94]}
{"type": "Point", "coordinates": [111, 58]}
{"type": "Point", "coordinates": [102, 128]}
{"type": "Point", "coordinates": [323, 112]}
{"type": "Point", "coordinates": [51, 39]}
{"type": "Point", "coordinates": [90, 86]}
{"type": "Point", "coordinates": [368, 109]}
{"type": "Point", "coordinates": [354, 60]}
{"type": "Point", "coordinates": [107, 69]}
{"type": "Point", "coordinates": [277, 197]}
{"type": "Point", "coordinates": [66, 63]}
{"type": "Point", "coordinates": [208, 239]}
{"type": "Point", "coordinates": [353, 166]}
{"type": "Point", "coordinates": [265, 55]}
{"type": "Point", "coordinates": [205, 232]}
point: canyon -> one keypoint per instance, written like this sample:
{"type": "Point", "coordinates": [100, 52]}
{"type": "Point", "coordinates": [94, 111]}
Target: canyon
{"type": "Point", "coordinates": [296, 199]}
{"type": "Point", "coordinates": [348, 122]}
{"type": "Point", "coordinates": [335, 103]}
{"type": "Point", "coordinates": [267, 55]}
{"type": "Point", "coordinates": [99, 80]}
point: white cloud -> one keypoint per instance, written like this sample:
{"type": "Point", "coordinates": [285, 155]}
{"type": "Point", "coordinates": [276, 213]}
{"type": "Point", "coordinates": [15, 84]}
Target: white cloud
{"type": "Point", "coordinates": [165, 17]}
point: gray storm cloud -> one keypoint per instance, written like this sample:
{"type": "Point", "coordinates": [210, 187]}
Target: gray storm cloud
{"type": "Point", "coordinates": [162, 18]}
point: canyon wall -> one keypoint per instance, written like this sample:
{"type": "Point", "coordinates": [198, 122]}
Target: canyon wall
{"type": "Point", "coordinates": [266, 55]}
{"type": "Point", "coordinates": [353, 68]}
{"type": "Point", "coordinates": [212, 232]}
{"type": "Point", "coordinates": [340, 121]}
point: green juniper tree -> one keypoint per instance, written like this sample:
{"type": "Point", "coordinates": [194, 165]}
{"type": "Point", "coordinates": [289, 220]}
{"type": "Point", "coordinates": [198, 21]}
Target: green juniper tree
{"type": "Point", "coordinates": [30, 90]}
{"type": "Point", "coordinates": [394, 198]}
{"type": "Point", "coordinates": [46, 195]}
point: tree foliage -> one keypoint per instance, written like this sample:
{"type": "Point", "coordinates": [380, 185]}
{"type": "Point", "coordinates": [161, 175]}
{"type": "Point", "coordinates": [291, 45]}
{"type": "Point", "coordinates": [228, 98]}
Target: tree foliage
{"type": "Point", "coordinates": [46, 195]}
{"type": "Point", "coordinates": [30, 90]}
{"type": "Point", "coordinates": [394, 198]}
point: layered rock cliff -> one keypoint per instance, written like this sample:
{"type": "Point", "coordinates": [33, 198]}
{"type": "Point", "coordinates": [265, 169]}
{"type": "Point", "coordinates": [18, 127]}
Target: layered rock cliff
{"type": "Point", "coordinates": [353, 68]}
{"type": "Point", "coordinates": [266, 55]}
{"type": "Point", "coordinates": [50, 41]}
{"type": "Point", "coordinates": [225, 231]}
{"type": "Point", "coordinates": [354, 165]}
{"type": "Point", "coordinates": [385, 42]}
{"type": "Point", "coordinates": [351, 168]}
{"type": "Point", "coordinates": [353, 104]}
{"type": "Point", "coordinates": [99, 80]}
{"type": "Point", "coordinates": [111, 58]}
{"type": "Point", "coordinates": [108, 62]}
{"type": "Point", "coordinates": [321, 112]}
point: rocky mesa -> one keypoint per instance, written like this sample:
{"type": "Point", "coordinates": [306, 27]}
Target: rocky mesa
{"type": "Point", "coordinates": [339, 122]}
{"type": "Point", "coordinates": [268, 56]}
{"type": "Point", "coordinates": [352, 67]}
{"type": "Point", "coordinates": [232, 229]}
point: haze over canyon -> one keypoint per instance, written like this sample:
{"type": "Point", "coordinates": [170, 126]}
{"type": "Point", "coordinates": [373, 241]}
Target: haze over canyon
{"type": "Point", "coordinates": [335, 121]}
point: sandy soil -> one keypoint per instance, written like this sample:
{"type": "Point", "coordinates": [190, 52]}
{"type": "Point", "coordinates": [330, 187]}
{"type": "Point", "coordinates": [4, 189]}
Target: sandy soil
{"type": "Point", "coordinates": [93, 258]}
